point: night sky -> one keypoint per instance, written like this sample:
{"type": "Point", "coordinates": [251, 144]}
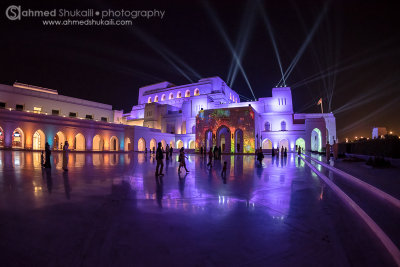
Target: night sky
{"type": "Point", "coordinates": [356, 46]}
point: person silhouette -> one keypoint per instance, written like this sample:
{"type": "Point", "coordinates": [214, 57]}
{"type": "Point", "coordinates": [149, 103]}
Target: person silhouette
{"type": "Point", "coordinates": [65, 156]}
{"type": "Point", "coordinates": [47, 152]}
{"type": "Point", "coordinates": [159, 158]}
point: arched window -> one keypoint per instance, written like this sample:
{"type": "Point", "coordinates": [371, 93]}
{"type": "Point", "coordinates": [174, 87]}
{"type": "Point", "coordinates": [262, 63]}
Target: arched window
{"type": "Point", "coordinates": [163, 97]}
{"type": "Point", "coordinates": [149, 100]}
{"type": "Point", "coordinates": [267, 126]}
{"type": "Point", "coordinates": [171, 96]}
{"type": "Point", "coordinates": [156, 98]}
{"type": "Point", "coordinates": [179, 95]}
{"type": "Point", "coordinates": [196, 91]}
{"type": "Point", "coordinates": [230, 96]}
{"type": "Point", "coordinates": [283, 126]}
{"type": "Point", "coordinates": [187, 93]}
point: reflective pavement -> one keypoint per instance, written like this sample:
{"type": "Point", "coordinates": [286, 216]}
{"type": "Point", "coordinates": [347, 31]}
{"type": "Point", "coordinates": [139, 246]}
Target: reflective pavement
{"type": "Point", "coordinates": [110, 210]}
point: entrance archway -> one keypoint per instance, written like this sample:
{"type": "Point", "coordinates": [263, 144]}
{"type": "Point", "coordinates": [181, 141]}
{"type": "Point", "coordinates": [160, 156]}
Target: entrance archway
{"type": "Point", "coordinates": [284, 143]}
{"type": "Point", "coordinates": [1, 137]}
{"type": "Point", "coordinates": [18, 138]}
{"type": "Point", "coordinates": [127, 144]}
{"type": "Point", "coordinates": [38, 140]}
{"type": "Point", "coordinates": [79, 143]}
{"type": "Point", "coordinates": [300, 143]}
{"type": "Point", "coordinates": [141, 145]}
{"type": "Point", "coordinates": [316, 140]}
{"type": "Point", "coordinates": [179, 144]}
{"type": "Point", "coordinates": [59, 141]}
{"type": "Point", "coordinates": [224, 139]}
{"type": "Point", "coordinates": [267, 144]}
{"type": "Point", "coordinates": [114, 143]}
{"type": "Point", "coordinates": [191, 144]}
{"type": "Point", "coordinates": [239, 141]}
{"type": "Point", "coordinates": [153, 144]}
{"type": "Point", "coordinates": [163, 144]}
{"type": "Point", "coordinates": [98, 143]}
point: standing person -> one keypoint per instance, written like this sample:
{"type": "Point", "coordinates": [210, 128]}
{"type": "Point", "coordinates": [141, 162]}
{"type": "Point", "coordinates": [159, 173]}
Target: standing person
{"type": "Point", "coordinates": [182, 162]}
{"type": "Point", "coordinates": [159, 158]}
{"type": "Point", "coordinates": [260, 155]}
{"type": "Point", "coordinates": [210, 156]}
{"type": "Point", "coordinates": [167, 153]}
{"type": "Point", "coordinates": [219, 152]}
{"type": "Point", "coordinates": [282, 150]}
{"type": "Point", "coordinates": [154, 150]}
{"type": "Point", "coordinates": [215, 152]}
{"type": "Point", "coordinates": [65, 156]}
{"type": "Point", "coordinates": [328, 151]}
{"type": "Point", "coordinates": [47, 153]}
{"type": "Point", "coordinates": [145, 150]}
{"type": "Point", "coordinates": [335, 148]}
{"type": "Point", "coordinates": [201, 150]}
{"type": "Point", "coordinates": [170, 151]}
{"type": "Point", "coordinates": [299, 151]}
{"type": "Point", "coordinates": [285, 152]}
{"type": "Point", "coordinates": [277, 151]}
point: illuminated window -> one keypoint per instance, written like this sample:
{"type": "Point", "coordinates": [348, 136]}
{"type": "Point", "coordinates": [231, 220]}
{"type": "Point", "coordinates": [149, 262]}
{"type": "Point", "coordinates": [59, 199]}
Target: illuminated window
{"type": "Point", "coordinates": [267, 126]}
{"type": "Point", "coordinates": [37, 110]}
{"type": "Point", "coordinates": [283, 126]}
{"type": "Point", "coordinates": [171, 96]}
{"type": "Point", "coordinates": [187, 93]}
{"type": "Point", "coordinates": [196, 91]}
{"type": "Point", "coordinates": [149, 100]}
{"type": "Point", "coordinates": [156, 98]}
{"type": "Point", "coordinates": [163, 97]}
{"type": "Point", "coordinates": [179, 95]}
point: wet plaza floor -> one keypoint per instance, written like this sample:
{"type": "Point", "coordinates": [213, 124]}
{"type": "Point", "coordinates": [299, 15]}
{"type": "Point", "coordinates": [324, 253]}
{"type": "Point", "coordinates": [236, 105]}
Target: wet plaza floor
{"type": "Point", "coordinates": [110, 210]}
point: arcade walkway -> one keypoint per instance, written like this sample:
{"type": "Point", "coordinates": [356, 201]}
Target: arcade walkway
{"type": "Point", "coordinates": [109, 210]}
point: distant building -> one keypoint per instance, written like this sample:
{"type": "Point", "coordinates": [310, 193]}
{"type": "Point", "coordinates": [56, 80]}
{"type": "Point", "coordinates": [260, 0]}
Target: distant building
{"type": "Point", "coordinates": [378, 132]}
{"type": "Point", "coordinates": [203, 114]}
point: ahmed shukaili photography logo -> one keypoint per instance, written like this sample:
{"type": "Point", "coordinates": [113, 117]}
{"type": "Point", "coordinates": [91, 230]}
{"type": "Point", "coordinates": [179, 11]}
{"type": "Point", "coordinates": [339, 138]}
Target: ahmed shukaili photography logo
{"type": "Point", "coordinates": [82, 17]}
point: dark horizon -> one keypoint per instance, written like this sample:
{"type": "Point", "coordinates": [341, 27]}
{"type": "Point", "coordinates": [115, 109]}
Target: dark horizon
{"type": "Point", "coordinates": [108, 64]}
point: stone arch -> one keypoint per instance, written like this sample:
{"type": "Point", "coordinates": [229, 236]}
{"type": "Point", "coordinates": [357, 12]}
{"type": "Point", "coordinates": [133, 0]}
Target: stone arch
{"type": "Point", "coordinates": [153, 144]}
{"type": "Point", "coordinates": [316, 140]}
{"type": "Point", "coordinates": [283, 126]}
{"type": "Point", "coordinates": [266, 144]}
{"type": "Point", "coordinates": [239, 142]}
{"type": "Point", "coordinates": [187, 93]}
{"type": "Point", "coordinates": [171, 96]}
{"type": "Point", "coordinates": [172, 144]}
{"type": "Point", "coordinates": [192, 144]}
{"type": "Point", "coordinates": [1, 137]}
{"type": "Point", "coordinates": [179, 94]}
{"type": "Point", "coordinates": [163, 97]}
{"type": "Point", "coordinates": [163, 144]}
{"type": "Point", "coordinates": [267, 126]}
{"type": "Point", "coordinates": [196, 91]}
{"type": "Point", "coordinates": [98, 143]}
{"type": "Point", "coordinates": [128, 144]}
{"type": "Point", "coordinates": [149, 99]}
{"type": "Point", "coordinates": [38, 140]}
{"type": "Point", "coordinates": [79, 142]}
{"type": "Point", "coordinates": [59, 141]}
{"type": "Point", "coordinates": [156, 98]}
{"type": "Point", "coordinates": [179, 144]}
{"type": "Point", "coordinates": [18, 138]}
{"type": "Point", "coordinates": [300, 143]}
{"type": "Point", "coordinates": [114, 143]}
{"type": "Point", "coordinates": [224, 139]}
{"type": "Point", "coordinates": [141, 144]}
{"type": "Point", "coordinates": [284, 143]}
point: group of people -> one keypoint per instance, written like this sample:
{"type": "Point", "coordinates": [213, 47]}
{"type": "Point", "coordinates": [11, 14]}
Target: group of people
{"type": "Point", "coordinates": [216, 152]}
{"type": "Point", "coordinates": [168, 151]}
{"type": "Point", "coordinates": [331, 149]}
{"type": "Point", "coordinates": [45, 156]}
